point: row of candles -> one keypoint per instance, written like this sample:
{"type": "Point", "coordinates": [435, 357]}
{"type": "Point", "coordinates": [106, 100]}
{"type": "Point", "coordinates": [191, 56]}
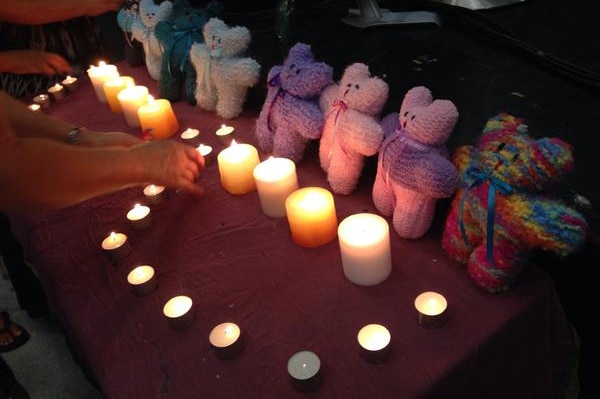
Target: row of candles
{"type": "Point", "coordinates": [55, 93]}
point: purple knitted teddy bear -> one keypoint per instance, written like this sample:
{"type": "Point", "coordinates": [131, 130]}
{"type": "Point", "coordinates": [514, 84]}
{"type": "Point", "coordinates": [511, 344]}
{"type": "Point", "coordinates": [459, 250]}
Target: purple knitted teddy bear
{"type": "Point", "coordinates": [291, 115]}
{"type": "Point", "coordinates": [413, 170]}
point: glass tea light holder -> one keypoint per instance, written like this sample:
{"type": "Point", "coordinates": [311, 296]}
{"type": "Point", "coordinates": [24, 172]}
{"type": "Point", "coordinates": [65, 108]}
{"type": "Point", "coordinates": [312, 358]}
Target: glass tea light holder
{"type": "Point", "coordinates": [142, 280]}
{"type": "Point", "coordinates": [431, 309]}
{"type": "Point", "coordinates": [304, 369]}
{"type": "Point", "coordinates": [226, 340]}
{"type": "Point", "coordinates": [374, 341]}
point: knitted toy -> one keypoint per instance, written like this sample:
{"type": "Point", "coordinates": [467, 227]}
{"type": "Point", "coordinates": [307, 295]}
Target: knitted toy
{"type": "Point", "coordinates": [351, 130]}
{"type": "Point", "coordinates": [499, 213]}
{"type": "Point", "coordinates": [413, 168]}
{"type": "Point", "coordinates": [291, 116]}
{"type": "Point", "coordinates": [126, 17]}
{"type": "Point", "coordinates": [223, 76]}
{"type": "Point", "coordinates": [142, 29]}
{"type": "Point", "coordinates": [176, 38]}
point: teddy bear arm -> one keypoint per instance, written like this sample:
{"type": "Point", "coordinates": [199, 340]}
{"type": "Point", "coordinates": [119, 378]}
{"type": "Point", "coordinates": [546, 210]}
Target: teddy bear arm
{"type": "Point", "coordinates": [327, 96]}
{"type": "Point", "coordinates": [437, 177]}
{"type": "Point", "coordinates": [306, 118]}
{"type": "Point", "coordinates": [138, 30]}
{"type": "Point", "coordinates": [463, 157]}
{"type": "Point", "coordinates": [362, 133]}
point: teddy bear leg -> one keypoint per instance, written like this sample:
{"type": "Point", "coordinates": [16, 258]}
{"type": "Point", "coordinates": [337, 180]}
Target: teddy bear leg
{"type": "Point", "coordinates": [230, 100]}
{"type": "Point", "coordinates": [289, 144]}
{"type": "Point", "coordinates": [383, 195]}
{"type": "Point", "coordinates": [343, 174]}
{"type": "Point", "coordinates": [496, 275]}
{"type": "Point", "coordinates": [264, 136]}
{"type": "Point", "coordinates": [153, 66]}
{"type": "Point", "coordinates": [413, 214]}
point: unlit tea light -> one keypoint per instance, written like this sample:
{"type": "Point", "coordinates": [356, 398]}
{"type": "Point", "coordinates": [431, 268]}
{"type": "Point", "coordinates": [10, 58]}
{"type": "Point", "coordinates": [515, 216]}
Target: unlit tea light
{"type": "Point", "coordinates": [275, 180]}
{"type": "Point", "coordinates": [226, 341]}
{"type": "Point", "coordinates": [139, 217]}
{"type": "Point", "coordinates": [116, 246]}
{"type": "Point", "coordinates": [236, 164]}
{"type": "Point", "coordinates": [179, 312]}
{"type": "Point", "coordinates": [142, 280]}
{"type": "Point", "coordinates": [155, 195]}
{"type": "Point", "coordinates": [374, 340]}
{"type": "Point", "coordinates": [431, 309]}
{"type": "Point", "coordinates": [304, 369]}
{"type": "Point", "coordinates": [311, 216]}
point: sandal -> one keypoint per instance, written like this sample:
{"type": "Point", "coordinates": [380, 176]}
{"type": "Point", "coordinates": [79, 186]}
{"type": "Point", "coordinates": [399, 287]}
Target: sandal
{"type": "Point", "coordinates": [17, 340]}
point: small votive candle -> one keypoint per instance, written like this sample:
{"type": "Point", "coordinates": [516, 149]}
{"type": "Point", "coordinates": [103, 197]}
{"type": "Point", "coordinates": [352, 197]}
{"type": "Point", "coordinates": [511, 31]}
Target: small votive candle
{"type": "Point", "coordinates": [111, 89]}
{"type": "Point", "coordinates": [179, 312]}
{"type": "Point", "coordinates": [304, 369]}
{"type": "Point", "coordinates": [226, 340]}
{"type": "Point", "coordinates": [43, 100]}
{"type": "Point", "coordinates": [190, 135]}
{"type": "Point", "coordinates": [130, 99]}
{"type": "Point", "coordinates": [116, 246]}
{"type": "Point", "coordinates": [139, 217]}
{"type": "Point", "coordinates": [311, 216]}
{"type": "Point", "coordinates": [57, 92]}
{"type": "Point", "coordinates": [225, 134]}
{"type": "Point", "coordinates": [70, 83]}
{"type": "Point", "coordinates": [275, 180]}
{"type": "Point", "coordinates": [99, 74]}
{"type": "Point", "coordinates": [236, 164]}
{"type": "Point", "coordinates": [431, 309]}
{"type": "Point", "coordinates": [142, 280]}
{"type": "Point", "coordinates": [374, 341]}
{"type": "Point", "coordinates": [155, 195]}
{"type": "Point", "coordinates": [34, 107]}
{"type": "Point", "coordinates": [206, 152]}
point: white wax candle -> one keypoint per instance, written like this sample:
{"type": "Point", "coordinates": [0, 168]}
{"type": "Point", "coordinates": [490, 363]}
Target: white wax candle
{"type": "Point", "coordinates": [431, 307]}
{"type": "Point", "coordinates": [34, 107]}
{"type": "Point", "coordinates": [190, 134]}
{"type": "Point", "coordinates": [139, 217]}
{"type": "Point", "coordinates": [178, 311]}
{"type": "Point", "coordinates": [100, 74]}
{"type": "Point", "coordinates": [236, 164]}
{"type": "Point", "coordinates": [157, 118]}
{"type": "Point", "coordinates": [142, 279]}
{"type": "Point", "coordinates": [311, 216]}
{"type": "Point", "coordinates": [130, 99]}
{"type": "Point", "coordinates": [365, 247]}
{"type": "Point", "coordinates": [57, 91]}
{"type": "Point", "coordinates": [116, 246]}
{"type": "Point", "coordinates": [70, 83]}
{"type": "Point", "coordinates": [304, 367]}
{"type": "Point", "coordinates": [206, 152]}
{"type": "Point", "coordinates": [42, 99]}
{"type": "Point", "coordinates": [226, 340]}
{"type": "Point", "coordinates": [275, 180]}
{"type": "Point", "coordinates": [154, 194]}
{"type": "Point", "coordinates": [112, 87]}
{"type": "Point", "coordinates": [225, 134]}
{"type": "Point", "coordinates": [374, 340]}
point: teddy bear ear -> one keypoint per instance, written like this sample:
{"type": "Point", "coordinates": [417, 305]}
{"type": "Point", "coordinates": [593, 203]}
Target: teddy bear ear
{"type": "Point", "coordinates": [356, 71]}
{"type": "Point", "coordinates": [301, 50]}
{"type": "Point", "coordinates": [419, 96]}
{"type": "Point", "coordinates": [553, 157]}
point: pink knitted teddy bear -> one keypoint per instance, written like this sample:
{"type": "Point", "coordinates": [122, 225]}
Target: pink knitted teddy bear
{"type": "Point", "coordinates": [413, 170]}
{"type": "Point", "coordinates": [352, 130]}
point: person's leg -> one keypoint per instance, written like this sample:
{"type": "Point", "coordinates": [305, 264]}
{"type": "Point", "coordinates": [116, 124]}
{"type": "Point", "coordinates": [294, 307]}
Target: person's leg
{"type": "Point", "coordinates": [10, 388]}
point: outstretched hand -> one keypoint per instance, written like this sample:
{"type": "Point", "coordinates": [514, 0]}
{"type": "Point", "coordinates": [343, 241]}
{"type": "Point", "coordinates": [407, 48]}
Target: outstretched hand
{"type": "Point", "coordinates": [33, 62]}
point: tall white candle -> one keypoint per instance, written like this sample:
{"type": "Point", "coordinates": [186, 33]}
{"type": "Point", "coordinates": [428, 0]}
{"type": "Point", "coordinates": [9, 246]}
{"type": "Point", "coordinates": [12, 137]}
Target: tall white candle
{"type": "Point", "coordinates": [275, 180]}
{"type": "Point", "coordinates": [236, 164]}
{"type": "Point", "coordinates": [100, 74]}
{"type": "Point", "coordinates": [131, 98]}
{"type": "Point", "coordinates": [364, 240]}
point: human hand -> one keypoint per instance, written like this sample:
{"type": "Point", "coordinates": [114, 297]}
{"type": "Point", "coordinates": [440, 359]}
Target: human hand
{"type": "Point", "coordinates": [92, 138]}
{"type": "Point", "coordinates": [33, 61]}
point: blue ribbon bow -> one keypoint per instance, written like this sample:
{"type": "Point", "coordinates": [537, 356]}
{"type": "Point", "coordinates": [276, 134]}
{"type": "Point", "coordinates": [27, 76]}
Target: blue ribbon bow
{"type": "Point", "coordinates": [188, 36]}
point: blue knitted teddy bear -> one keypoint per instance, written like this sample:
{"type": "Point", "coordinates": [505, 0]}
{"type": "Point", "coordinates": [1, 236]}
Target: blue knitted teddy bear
{"type": "Point", "coordinates": [291, 115]}
{"type": "Point", "coordinates": [177, 73]}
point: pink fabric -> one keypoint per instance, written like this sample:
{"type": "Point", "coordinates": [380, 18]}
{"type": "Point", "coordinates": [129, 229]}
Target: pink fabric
{"type": "Point", "coordinates": [239, 265]}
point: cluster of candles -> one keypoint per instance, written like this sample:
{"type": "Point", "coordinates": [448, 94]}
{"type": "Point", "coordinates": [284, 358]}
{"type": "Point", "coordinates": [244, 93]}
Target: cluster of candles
{"type": "Point", "coordinates": [55, 93]}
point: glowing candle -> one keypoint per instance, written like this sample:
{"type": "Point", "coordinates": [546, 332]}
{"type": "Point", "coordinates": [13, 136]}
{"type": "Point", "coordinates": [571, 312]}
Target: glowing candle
{"type": "Point", "coordinates": [189, 135]}
{"type": "Point", "coordinates": [139, 217]}
{"type": "Point", "coordinates": [57, 92]}
{"type": "Point", "coordinates": [226, 340]}
{"type": "Point", "coordinates": [157, 118]}
{"type": "Point", "coordinates": [155, 195]}
{"type": "Point", "coordinates": [100, 74]}
{"type": "Point", "coordinates": [225, 134]}
{"type": "Point", "coordinates": [179, 312]}
{"type": "Point", "coordinates": [112, 87]}
{"type": "Point", "coordinates": [275, 180]}
{"type": "Point", "coordinates": [431, 309]}
{"type": "Point", "coordinates": [374, 340]}
{"type": "Point", "coordinates": [236, 164]}
{"type": "Point", "coordinates": [116, 246]}
{"type": "Point", "coordinates": [43, 100]}
{"type": "Point", "coordinates": [34, 107]}
{"type": "Point", "coordinates": [364, 240]}
{"type": "Point", "coordinates": [142, 280]}
{"type": "Point", "coordinates": [130, 99]}
{"type": "Point", "coordinates": [304, 369]}
{"type": "Point", "coordinates": [311, 216]}
{"type": "Point", "coordinates": [70, 83]}
{"type": "Point", "coordinates": [206, 152]}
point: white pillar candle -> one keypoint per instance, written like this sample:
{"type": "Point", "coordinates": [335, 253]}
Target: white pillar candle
{"type": "Point", "coordinates": [304, 369]}
{"type": "Point", "coordinates": [111, 89]}
{"type": "Point", "coordinates": [226, 340]}
{"type": "Point", "coordinates": [100, 74]}
{"type": "Point", "coordinates": [190, 135]}
{"type": "Point", "coordinates": [179, 312]}
{"type": "Point", "coordinates": [311, 216]}
{"type": "Point", "coordinates": [206, 152]}
{"type": "Point", "coordinates": [364, 240]}
{"type": "Point", "coordinates": [431, 309]}
{"type": "Point", "coordinates": [43, 100]}
{"type": "Point", "coordinates": [275, 180]}
{"type": "Point", "coordinates": [130, 99]}
{"type": "Point", "coordinates": [155, 195]}
{"type": "Point", "coordinates": [236, 164]}
{"type": "Point", "coordinates": [116, 246]}
{"type": "Point", "coordinates": [142, 280]}
{"type": "Point", "coordinates": [70, 83]}
{"type": "Point", "coordinates": [139, 217]}
{"type": "Point", "coordinates": [374, 340]}
{"type": "Point", "coordinates": [157, 118]}
{"type": "Point", "coordinates": [225, 134]}
{"type": "Point", "coordinates": [57, 92]}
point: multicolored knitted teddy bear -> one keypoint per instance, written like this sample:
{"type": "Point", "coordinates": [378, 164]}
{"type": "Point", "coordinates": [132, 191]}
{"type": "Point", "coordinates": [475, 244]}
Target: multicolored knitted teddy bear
{"type": "Point", "coordinates": [291, 116]}
{"type": "Point", "coordinates": [500, 213]}
{"type": "Point", "coordinates": [177, 74]}
{"type": "Point", "coordinates": [223, 76]}
{"type": "Point", "coordinates": [413, 169]}
{"type": "Point", "coordinates": [142, 30]}
{"type": "Point", "coordinates": [351, 130]}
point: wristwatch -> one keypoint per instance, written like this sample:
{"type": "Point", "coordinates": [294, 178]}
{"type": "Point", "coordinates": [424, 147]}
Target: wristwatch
{"type": "Point", "coordinates": [74, 135]}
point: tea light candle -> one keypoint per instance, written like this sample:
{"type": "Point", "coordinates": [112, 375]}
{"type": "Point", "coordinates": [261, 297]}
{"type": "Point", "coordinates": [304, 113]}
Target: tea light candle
{"type": "Point", "coordinates": [34, 107]}
{"type": "Point", "coordinates": [275, 180]}
{"type": "Point", "coordinates": [139, 217]}
{"type": "Point", "coordinates": [225, 134]}
{"type": "Point", "coordinates": [100, 74]}
{"type": "Point", "coordinates": [431, 309]}
{"type": "Point", "coordinates": [57, 92]}
{"type": "Point", "coordinates": [70, 83]}
{"type": "Point", "coordinates": [116, 246]}
{"type": "Point", "coordinates": [157, 118]}
{"type": "Point", "coordinates": [311, 216]}
{"type": "Point", "coordinates": [142, 280]}
{"type": "Point", "coordinates": [236, 164]}
{"type": "Point", "coordinates": [206, 152]}
{"type": "Point", "coordinates": [304, 369]}
{"type": "Point", "coordinates": [155, 195]}
{"type": "Point", "coordinates": [189, 135]}
{"type": "Point", "coordinates": [112, 87]}
{"type": "Point", "coordinates": [43, 100]}
{"type": "Point", "coordinates": [226, 340]}
{"type": "Point", "coordinates": [364, 240]}
{"type": "Point", "coordinates": [179, 312]}
{"type": "Point", "coordinates": [130, 99]}
{"type": "Point", "coordinates": [374, 340]}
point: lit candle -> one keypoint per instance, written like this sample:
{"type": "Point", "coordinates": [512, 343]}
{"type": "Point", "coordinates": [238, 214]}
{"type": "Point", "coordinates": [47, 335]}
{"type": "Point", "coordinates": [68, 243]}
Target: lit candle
{"type": "Point", "coordinates": [225, 134]}
{"type": "Point", "coordinates": [70, 83]}
{"type": "Point", "coordinates": [57, 92]}
{"type": "Point", "coordinates": [157, 118]}
{"type": "Point", "coordinates": [43, 100]}
{"type": "Point", "coordinates": [226, 340]}
{"type": "Point", "coordinates": [34, 107]}
{"type": "Point", "coordinates": [100, 74]}
{"type": "Point", "coordinates": [142, 280]}
{"type": "Point", "coordinates": [311, 216]}
{"type": "Point", "coordinates": [275, 180]}
{"type": "Point", "coordinates": [116, 246]}
{"type": "Point", "coordinates": [130, 99]}
{"type": "Point", "coordinates": [236, 164]}
{"type": "Point", "coordinates": [189, 135]}
{"type": "Point", "coordinates": [304, 369]}
{"type": "Point", "coordinates": [374, 340]}
{"type": "Point", "coordinates": [112, 87]}
{"type": "Point", "coordinates": [206, 152]}
{"type": "Point", "coordinates": [139, 217]}
{"type": "Point", "coordinates": [155, 195]}
{"type": "Point", "coordinates": [364, 240]}
{"type": "Point", "coordinates": [179, 312]}
{"type": "Point", "coordinates": [431, 309]}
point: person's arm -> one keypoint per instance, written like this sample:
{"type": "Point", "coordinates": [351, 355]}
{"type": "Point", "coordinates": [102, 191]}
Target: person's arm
{"type": "Point", "coordinates": [33, 61]}
{"type": "Point", "coordinates": [37, 12]}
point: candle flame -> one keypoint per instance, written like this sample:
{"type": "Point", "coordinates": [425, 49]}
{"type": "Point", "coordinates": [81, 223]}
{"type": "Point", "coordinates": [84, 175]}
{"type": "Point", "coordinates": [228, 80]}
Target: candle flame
{"type": "Point", "coordinates": [150, 99]}
{"type": "Point", "coordinates": [233, 142]}
{"type": "Point", "coordinates": [113, 235]}
{"type": "Point", "coordinates": [102, 64]}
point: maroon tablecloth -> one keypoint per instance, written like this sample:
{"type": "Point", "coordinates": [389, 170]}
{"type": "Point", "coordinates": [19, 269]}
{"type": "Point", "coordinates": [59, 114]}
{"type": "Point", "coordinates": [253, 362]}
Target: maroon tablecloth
{"type": "Point", "coordinates": [239, 265]}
